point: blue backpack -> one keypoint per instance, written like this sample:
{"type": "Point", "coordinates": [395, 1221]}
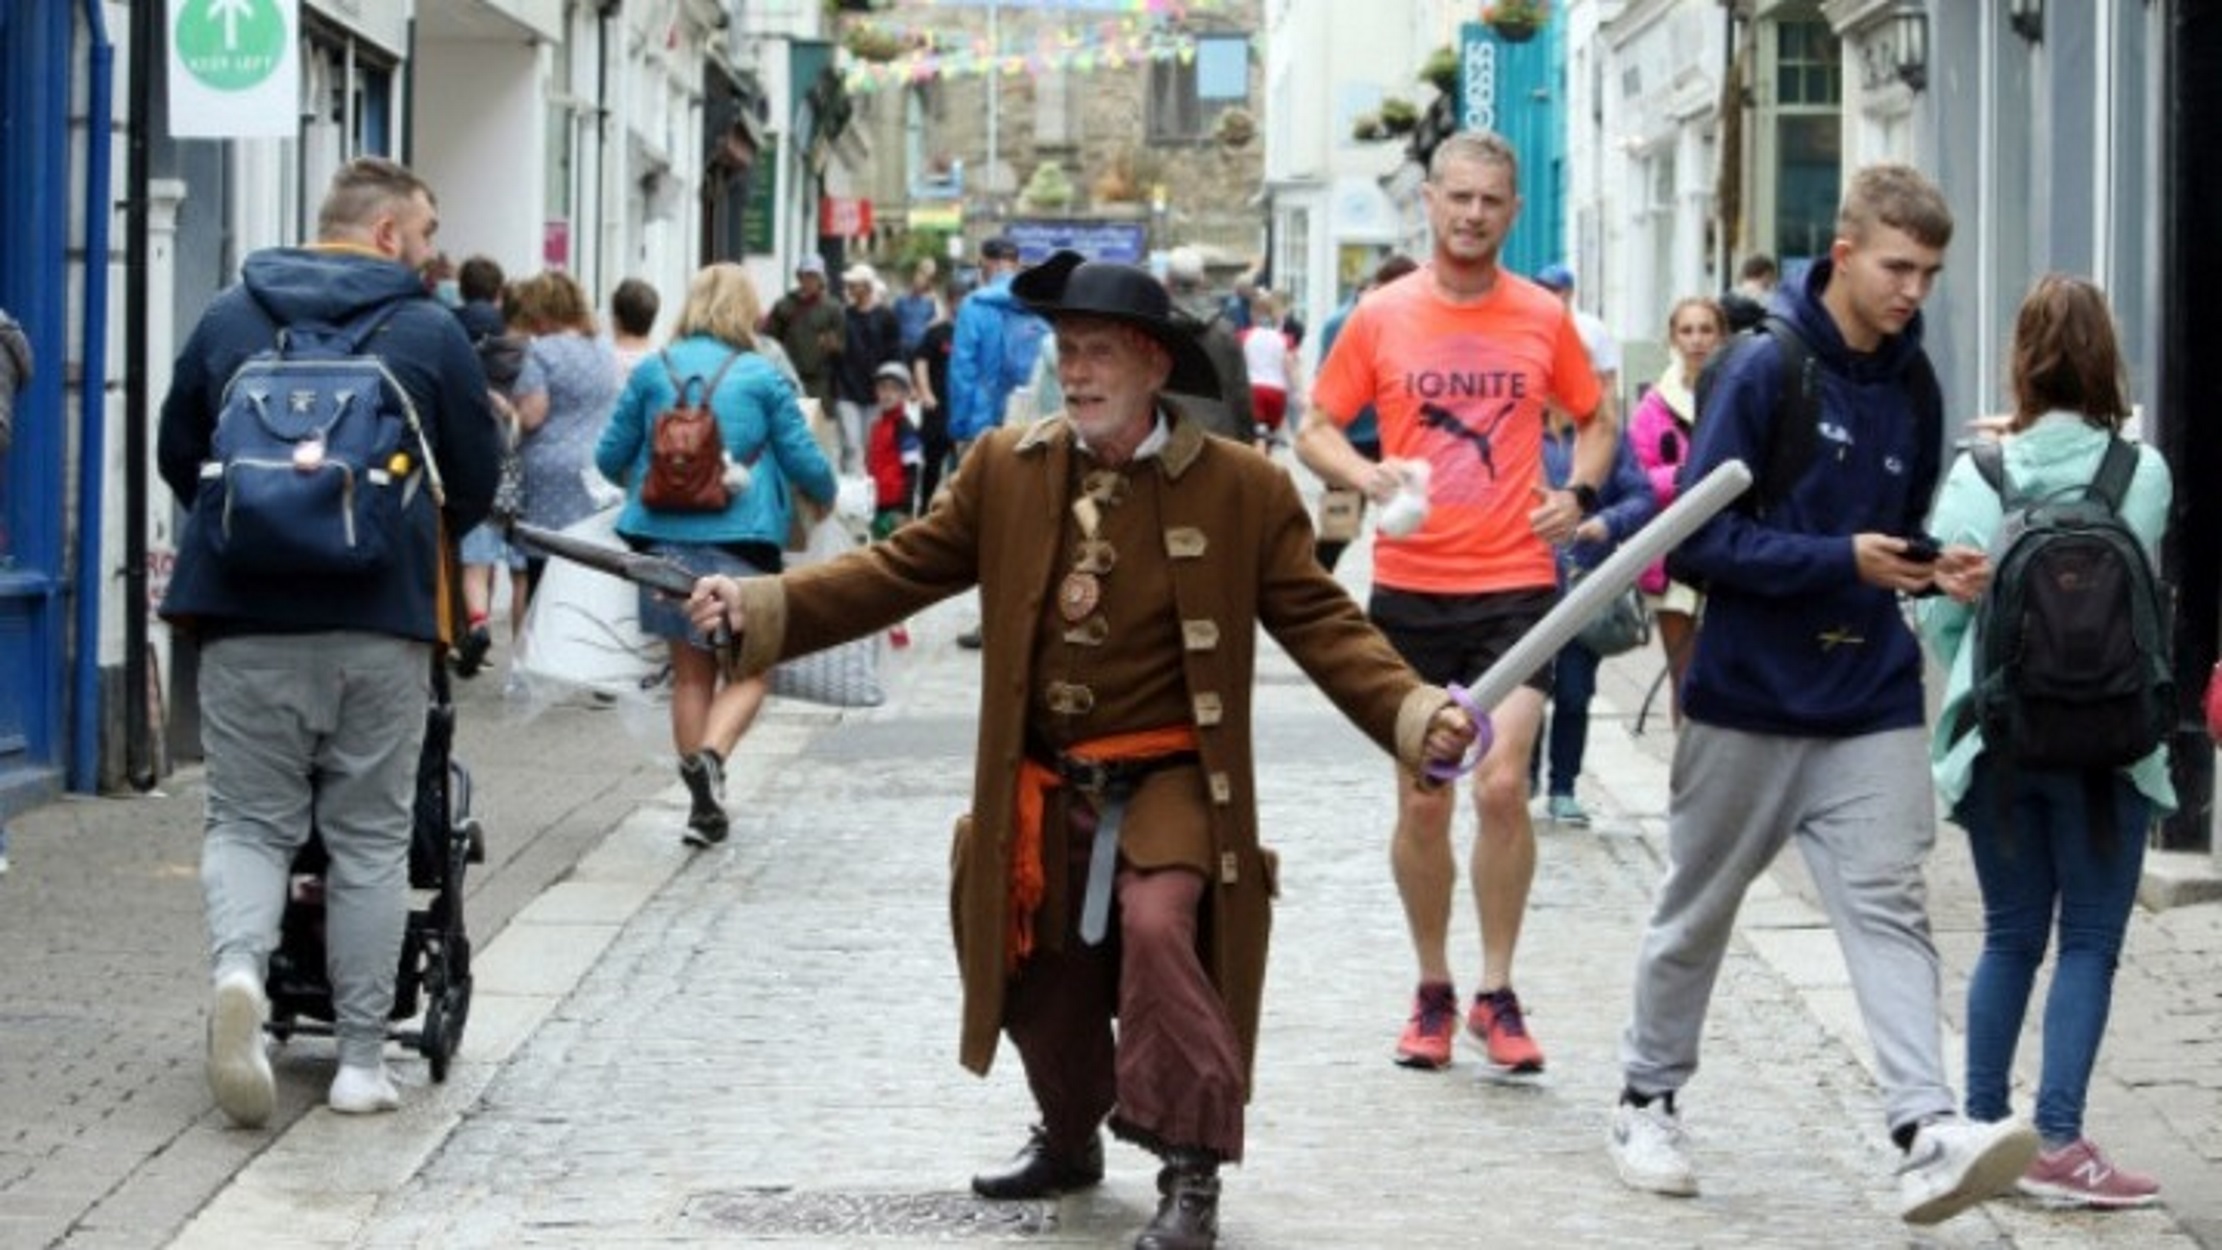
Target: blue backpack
{"type": "Point", "coordinates": [315, 458]}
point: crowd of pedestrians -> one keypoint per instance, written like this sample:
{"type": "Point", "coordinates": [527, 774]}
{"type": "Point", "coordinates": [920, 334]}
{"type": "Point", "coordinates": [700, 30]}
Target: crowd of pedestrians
{"type": "Point", "coordinates": [1109, 437]}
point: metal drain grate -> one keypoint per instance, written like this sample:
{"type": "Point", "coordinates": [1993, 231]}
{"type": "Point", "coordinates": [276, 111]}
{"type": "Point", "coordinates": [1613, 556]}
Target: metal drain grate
{"type": "Point", "coordinates": [787, 1212]}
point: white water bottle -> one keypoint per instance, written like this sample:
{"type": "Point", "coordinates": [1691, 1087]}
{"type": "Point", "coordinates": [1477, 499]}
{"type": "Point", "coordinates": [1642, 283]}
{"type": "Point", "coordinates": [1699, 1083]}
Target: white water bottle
{"type": "Point", "coordinates": [1406, 510]}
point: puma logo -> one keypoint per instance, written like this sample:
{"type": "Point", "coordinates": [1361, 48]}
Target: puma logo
{"type": "Point", "coordinates": [1438, 417]}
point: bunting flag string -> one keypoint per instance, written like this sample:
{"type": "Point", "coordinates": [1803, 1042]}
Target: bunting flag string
{"type": "Point", "coordinates": [907, 54]}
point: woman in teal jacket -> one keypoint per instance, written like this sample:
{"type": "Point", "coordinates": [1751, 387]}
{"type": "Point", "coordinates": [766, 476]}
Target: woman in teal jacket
{"type": "Point", "coordinates": [769, 444]}
{"type": "Point", "coordinates": [2031, 834]}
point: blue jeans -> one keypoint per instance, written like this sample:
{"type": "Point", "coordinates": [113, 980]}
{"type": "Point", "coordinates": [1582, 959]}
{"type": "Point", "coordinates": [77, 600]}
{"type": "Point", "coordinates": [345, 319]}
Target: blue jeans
{"type": "Point", "coordinates": [2038, 859]}
{"type": "Point", "coordinates": [1573, 685]}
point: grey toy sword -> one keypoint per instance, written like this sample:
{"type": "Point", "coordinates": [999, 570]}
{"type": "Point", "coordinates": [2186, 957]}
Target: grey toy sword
{"type": "Point", "coordinates": [1692, 509]}
{"type": "Point", "coordinates": [658, 573]}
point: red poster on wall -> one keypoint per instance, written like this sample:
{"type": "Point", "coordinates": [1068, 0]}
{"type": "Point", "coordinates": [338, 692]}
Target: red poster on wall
{"type": "Point", "coordinates": [555, 244]}
{"type": "Point", "coordinates": [845, 216]}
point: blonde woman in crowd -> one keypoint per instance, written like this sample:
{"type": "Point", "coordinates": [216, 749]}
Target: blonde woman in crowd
{"type": "Point", "coordinates": [762, 428]}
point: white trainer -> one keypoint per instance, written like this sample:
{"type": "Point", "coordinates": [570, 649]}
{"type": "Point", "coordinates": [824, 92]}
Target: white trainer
{"type": "Point", "coordinates": [1954, 1164]}
{"type": "Point", "coordinates": [238, 1065]}
{"type": "Point", "coordinates": [363, 1091]}
{"type": "Point", "coordinates": [1651, 1151]}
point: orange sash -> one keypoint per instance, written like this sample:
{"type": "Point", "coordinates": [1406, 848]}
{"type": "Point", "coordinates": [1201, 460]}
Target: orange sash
{"type": "Point", "coordinates": [1035, 781]}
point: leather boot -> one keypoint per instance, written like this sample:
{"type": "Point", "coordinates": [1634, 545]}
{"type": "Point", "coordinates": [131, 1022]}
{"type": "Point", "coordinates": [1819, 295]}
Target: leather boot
{"type": "Point", "coordinates": [1188, 1208]}
{"type": "Point", "coordinates": [1038, 1171]}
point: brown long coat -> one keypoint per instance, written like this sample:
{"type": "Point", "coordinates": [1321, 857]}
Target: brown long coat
{"type": "Point", "coordinates": [1242, 556]}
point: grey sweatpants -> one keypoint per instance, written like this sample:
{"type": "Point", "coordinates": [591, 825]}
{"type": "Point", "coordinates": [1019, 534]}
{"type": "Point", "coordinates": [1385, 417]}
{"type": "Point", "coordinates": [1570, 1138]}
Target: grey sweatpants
{"type": "Point", "coordinates": [1864, 815]}
{"type": "Point", "coordinates": [330, 725]}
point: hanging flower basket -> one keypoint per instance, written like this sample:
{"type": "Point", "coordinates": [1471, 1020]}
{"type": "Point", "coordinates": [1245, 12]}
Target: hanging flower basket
{"type": "Point", "coordinates": [872, 43]}
{"type": "Point", "coordinates": [1368, 128]}
{"type": "Point", "coordinates": [1399, 117]}
{"type": "Point", "coordinates": [1440, 70]}
{"type": "Point", "coordinates": [1516, 21]}
{"type": "Point", "coordinates": [1235, 128]}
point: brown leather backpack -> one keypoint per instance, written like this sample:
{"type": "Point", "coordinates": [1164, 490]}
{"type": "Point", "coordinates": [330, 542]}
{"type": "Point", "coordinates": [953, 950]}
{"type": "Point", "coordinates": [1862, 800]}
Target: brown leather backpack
{"type": "Point", "coordinates": [686, 454]}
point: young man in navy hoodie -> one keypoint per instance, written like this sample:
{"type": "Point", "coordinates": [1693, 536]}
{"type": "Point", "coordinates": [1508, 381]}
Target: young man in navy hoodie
{"type": "Point", "coordinates": [1804, 711]}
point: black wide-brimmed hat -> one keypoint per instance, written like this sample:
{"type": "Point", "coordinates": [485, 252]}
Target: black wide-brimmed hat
{"type": "Point", "coordinates": [1069, 285]}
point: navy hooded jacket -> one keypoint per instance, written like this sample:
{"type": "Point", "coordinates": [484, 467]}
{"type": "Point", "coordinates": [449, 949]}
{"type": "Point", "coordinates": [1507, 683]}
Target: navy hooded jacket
{"type": "Point", "coordinates": [427, 351]}
{"type": "Point", "coordinates": [1793, 642]}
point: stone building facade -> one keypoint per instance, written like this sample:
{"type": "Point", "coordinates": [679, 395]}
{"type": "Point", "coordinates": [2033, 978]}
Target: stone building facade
{"type": "Point", "coordinates": [1138, 115]}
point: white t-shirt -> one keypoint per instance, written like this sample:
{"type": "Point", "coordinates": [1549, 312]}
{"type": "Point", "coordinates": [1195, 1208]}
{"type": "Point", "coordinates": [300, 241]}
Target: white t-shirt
{"type": "Point", "coordinates": [1265, 355]}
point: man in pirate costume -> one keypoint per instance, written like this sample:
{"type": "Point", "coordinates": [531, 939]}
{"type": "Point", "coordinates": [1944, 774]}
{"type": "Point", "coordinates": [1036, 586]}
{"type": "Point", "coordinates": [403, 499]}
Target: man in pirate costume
{"type": "Point", "coordinates": [1111, 868]}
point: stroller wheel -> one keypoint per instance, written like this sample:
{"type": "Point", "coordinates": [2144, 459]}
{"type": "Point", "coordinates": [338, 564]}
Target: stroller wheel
{"type": "Point", "coordinates": [444, 1019]}
{"type": "Point", "coordinates": [434, 1041]}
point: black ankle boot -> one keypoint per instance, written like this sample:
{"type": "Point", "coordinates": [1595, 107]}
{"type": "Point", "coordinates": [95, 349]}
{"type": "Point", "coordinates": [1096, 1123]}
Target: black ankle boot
{"type": "Point", "coordinates": [1188, 1205]}
{"type": "Point", "coordinates": [1038, 1171]}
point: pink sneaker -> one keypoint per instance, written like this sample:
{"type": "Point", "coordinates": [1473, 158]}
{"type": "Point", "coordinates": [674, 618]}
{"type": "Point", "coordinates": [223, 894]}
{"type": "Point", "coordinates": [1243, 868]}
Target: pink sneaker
{"type": "Point", "coordinates": [1427, 1036]}
{"type": "Point", "coordinates": [2078, 1175]}
{"type": "Point", "coordinates": [1497, 1022]}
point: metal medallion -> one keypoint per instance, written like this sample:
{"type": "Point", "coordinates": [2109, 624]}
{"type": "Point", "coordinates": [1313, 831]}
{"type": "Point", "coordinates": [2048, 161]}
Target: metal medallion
{"type": "Point", "coordinates": [1077, 595]}
{"type": "Point", "coordinates": [308, 454]}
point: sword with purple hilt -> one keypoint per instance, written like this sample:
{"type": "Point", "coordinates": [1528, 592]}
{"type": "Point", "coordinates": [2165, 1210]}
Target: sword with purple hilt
{"type": "Point", "coordinates": [661, 574]}
{"type": "Point", "coordinates": [1589, 596]}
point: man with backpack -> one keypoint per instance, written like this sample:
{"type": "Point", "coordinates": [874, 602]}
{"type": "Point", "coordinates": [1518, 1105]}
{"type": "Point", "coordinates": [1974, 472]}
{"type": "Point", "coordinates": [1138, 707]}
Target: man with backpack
{"type": "Point", "coordinates": [328, 427]}
{"type": "Point", "coordinates": [1803, 705]}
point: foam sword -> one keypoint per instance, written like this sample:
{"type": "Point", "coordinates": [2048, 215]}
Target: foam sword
{"type": "Point", "coordinates": [1589, 596]}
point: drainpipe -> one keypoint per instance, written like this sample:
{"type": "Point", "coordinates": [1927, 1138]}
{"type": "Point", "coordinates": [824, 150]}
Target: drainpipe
{"type": "Point", "coordinates": [139, 768]}
{"type": "Point", "coordinates": [2191, 560]}
{"type": "Point", "coordinates": [92, 438]}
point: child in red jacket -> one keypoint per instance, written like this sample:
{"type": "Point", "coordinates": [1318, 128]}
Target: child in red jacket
{"type": "Point", "coordinates": [891, 453]}
{"type": "Point", "coordinates": [892, 459]}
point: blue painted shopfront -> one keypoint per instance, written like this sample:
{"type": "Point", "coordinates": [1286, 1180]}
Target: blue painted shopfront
{"type": "Point", "coordinates": [1517, 89]}
{"type": "Point", "coordinates": [35, 65]}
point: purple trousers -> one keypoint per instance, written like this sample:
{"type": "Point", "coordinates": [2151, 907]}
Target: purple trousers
{"type": "Point", "coordinates": [1170, 1074]}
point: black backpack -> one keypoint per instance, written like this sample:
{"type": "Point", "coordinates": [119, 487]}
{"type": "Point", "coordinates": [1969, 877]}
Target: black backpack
{"type": "Point", "coordinates": [2071, 661]}
{"type": "Point", "coordinates": [1793, 430]}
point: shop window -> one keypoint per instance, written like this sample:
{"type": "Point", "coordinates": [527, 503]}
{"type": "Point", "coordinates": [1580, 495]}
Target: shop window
{"type": "Point", "coordinates": [1806, 68]}
{"type": "Point", "coordinates": [1185, 99]}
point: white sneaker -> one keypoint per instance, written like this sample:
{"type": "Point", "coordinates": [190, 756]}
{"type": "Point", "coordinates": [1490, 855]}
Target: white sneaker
{"type": "Point", "coordinates": [1954, 1164]}
{"type": "Point", "coordinates": [238, 1065]}
{"type": "Point", "coordinates": [1651, 1151]}
{"type": "Point", "coordinates": [363, 1091]}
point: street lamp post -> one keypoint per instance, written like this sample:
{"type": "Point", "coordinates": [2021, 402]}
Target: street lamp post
{"type": "Point", "coordinates": [995, 95]}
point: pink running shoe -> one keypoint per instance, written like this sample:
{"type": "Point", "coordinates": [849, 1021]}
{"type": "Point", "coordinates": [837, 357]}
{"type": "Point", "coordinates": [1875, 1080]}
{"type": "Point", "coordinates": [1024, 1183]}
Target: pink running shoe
{"type": "Point", "coordinates": [1427, 1037]}
{"type": "Point", "coordinates": [1497, 1021]}
{"type": "Point", "coordinates": [2078, 1175]}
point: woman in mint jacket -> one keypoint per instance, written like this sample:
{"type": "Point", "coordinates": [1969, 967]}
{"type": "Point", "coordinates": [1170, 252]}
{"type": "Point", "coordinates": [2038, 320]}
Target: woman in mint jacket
{"type": "Point", "coordinates": [770, 444]}
{"type": "Point", "coordinates": [2041, 856]}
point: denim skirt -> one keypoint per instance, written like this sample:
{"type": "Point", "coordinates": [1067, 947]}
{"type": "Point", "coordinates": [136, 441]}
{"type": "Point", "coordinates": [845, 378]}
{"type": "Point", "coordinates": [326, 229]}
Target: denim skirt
{"type": "Point", "coordinates": [664, 617]}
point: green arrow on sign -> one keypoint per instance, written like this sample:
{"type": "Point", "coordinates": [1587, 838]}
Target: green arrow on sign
{"type": "Point", "coordinates": [231, 45]}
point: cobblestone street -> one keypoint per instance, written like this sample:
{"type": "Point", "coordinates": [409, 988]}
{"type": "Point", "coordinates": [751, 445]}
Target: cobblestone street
{"type": "Point", "coordinates": [764, 1055]}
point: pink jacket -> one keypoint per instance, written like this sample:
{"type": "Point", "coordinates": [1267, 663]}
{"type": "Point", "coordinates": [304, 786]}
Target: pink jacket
{"type": "Point", "coordinates": [1662, 442]}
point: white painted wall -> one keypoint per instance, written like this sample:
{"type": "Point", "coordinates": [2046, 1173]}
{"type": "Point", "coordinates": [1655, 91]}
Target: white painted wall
{"type": "Point", "coordinates": [1326, 62]}
{"type": "Point", "coordinates": [482, 144]}
{"type": "Point", "coordinates": [1645, 161]}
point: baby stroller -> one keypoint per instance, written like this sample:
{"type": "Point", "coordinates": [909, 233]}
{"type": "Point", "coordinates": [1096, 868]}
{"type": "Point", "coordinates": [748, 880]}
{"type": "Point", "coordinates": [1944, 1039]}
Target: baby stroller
{"type": "Point", "coordinates": [435, 948]}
